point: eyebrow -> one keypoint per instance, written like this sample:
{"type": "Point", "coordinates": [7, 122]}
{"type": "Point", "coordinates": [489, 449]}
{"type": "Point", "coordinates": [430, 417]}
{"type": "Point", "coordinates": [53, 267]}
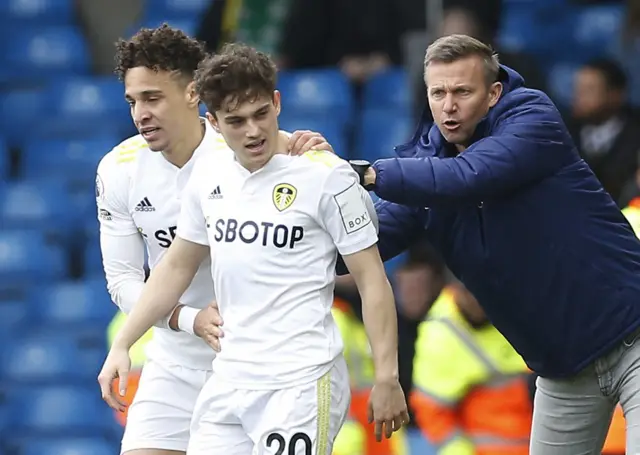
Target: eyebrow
{"type": "Point", "coordinates": [145, 93]}
{"type": "Point", "coordinates": [453, 87]}
{"type": "Point", "coordinates": [237, 117]}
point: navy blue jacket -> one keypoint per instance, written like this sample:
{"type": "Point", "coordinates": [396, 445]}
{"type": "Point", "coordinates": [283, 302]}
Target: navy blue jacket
{"type": "Point", "coordinates": [522, 221]}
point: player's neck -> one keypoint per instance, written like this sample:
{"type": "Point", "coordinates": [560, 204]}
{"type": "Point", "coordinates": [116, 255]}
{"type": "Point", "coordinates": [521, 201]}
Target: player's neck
{"type": "Point", "coordinates": [282, 147]}
{"type": "Point", "coordinates": [183, 150]}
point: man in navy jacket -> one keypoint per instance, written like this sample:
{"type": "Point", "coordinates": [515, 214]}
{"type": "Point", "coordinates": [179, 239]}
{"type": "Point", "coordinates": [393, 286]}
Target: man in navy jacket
{"type": "Point", "coordinates": [497, 185]}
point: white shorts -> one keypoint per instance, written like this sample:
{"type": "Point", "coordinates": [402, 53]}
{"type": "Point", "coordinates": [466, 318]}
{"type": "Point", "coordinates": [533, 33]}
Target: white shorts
{"type": "Point", "coordinates": [160, 415]}
{"type": "Point", "coordinates": [299, 420]}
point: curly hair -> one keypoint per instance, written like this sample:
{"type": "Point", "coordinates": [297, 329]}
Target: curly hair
{"type": "Point", "coordinates": [161, 49]}
{"type": "Point", "coordinates": [237, 74]}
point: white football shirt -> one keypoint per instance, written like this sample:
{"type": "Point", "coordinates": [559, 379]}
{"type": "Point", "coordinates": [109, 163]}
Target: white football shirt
{"type": "Point", "coordinates": [138, 197]}
{"type": "Point", "coordinates": [274, 236]}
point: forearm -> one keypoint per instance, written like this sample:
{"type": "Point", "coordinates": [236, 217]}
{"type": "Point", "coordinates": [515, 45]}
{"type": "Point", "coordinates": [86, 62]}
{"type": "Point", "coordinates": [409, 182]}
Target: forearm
{"type": "Point", "coordinates": [381, 324]}
{"type": "Point", "coordinates": [421, 182]}
{"type": "Point", "coordinates": [163, 289]}
{"type": "Point", "coordinates": [123, 260]}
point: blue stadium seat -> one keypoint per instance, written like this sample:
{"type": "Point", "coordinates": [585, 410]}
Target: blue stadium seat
{"type": "Point", "coordinates": [74, 159]}
{"type": "Point", "coordinates": [74, 304]}
{"type": "Point", "coordinates": [596, 31]}
{"type": "Point", "coordinates": [42, 359]}
{"type": "Point", "coordinates": [42, 205]}
{"type": "Point", "coordinates": [76, 446]}
{"type": "Point", "coordinates": [388, 90]}
{"type": "Point", "coordinates": [319, 93]}
{"type": "Point", "coordinates": [58, 410]}
{"type": "Point", "coordinates": [380, 131]}
{"type": "Point", "coordinates": [14, 316]}
{"type": "Point", "coordinates": [5, 161]}
{"type": "Point", "coordinates": [520, 31]}
{"type": "Point", "coordinates": [175, 9]}
{"type": "Point", "coordinates": [79, 106]}
{"type": "Point", "coordinates": [4, 422]}
{"type": "Point", "coordinates": [41, 53]}
{"type": "Point", "coordinates": [93, 256]}
{"type": "Point", "coordinates": [36, 12]}
{"type": "Point", "coordinates": [560, 82]}
{"type": "Point", "coordinates": [84, 201]}
{"type": "Point", "coordinates": [26, 258]}
{"type": "Point", "coordinates": [19, 110]}
{"type": "Point", "coordinates": [329, 128]}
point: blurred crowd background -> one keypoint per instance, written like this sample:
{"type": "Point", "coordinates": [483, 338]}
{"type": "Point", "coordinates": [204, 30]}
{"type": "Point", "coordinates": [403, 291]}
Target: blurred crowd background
{"type": "Point", "coordinates": [350, 69]}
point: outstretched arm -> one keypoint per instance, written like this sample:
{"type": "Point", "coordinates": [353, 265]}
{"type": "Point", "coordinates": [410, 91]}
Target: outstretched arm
{"type": "Point", "coordinates": [528, 144]}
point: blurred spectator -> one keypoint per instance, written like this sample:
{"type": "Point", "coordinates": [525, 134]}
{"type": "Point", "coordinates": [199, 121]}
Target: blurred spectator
{"type": "Point", "coordinates": [471, 394]}
{"type": "Point", "coordinates": [628, 51]}
{"type": "Point", "coordinates": [219, 23]}
{"type": "Point", "coordinates": [253, 22]}
{"type": "Point", "coordinates": [419, 281]}
{"type": "Point", "coordinates": [359, 36]}
{"type": "Point", "coordinates": [615, 443]}
{"type": "Point", "coordinates": [605, 129]}
{"type": "Point", "coordinates": [417, 284]}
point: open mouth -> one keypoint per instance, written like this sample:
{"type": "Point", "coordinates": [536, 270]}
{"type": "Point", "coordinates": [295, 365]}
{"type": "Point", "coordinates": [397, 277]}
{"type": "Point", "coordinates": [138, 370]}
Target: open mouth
{"type": "Point", "coordinates": [451, 124]}
{"type": "Point", "coordinates": [149, 132]}
{"type": "Point", "coordinates": [256, 146]}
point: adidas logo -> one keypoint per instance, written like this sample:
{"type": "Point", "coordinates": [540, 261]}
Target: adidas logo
{"type": "Point", "coordinates": [105, 215]}
{"type": "Point", "coordinates": [145, 206]}
{"type": "Point", "coordinates": [216, 193]}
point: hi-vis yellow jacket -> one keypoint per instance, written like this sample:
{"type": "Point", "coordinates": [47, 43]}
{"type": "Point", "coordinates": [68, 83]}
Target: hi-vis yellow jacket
{"type": "Point", "coordinates": [356, 436]}
{"type": "Point", "coordinates": [137, 351]}
{"type": "Point", "coordinates": [470, 392]}
{"type": "Point", "coordinates": [632, 213]}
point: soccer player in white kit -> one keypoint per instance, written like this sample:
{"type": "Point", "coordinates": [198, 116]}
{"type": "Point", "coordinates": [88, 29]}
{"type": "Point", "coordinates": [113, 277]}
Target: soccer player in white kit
{"type": "Point", "coordinates": [138, 187]}
{"type": "Point", "coordinates": [273, 225]}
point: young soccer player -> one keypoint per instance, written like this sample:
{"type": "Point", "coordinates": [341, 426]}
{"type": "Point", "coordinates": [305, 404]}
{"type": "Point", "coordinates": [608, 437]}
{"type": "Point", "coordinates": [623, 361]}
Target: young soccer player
{"type": "Point", "coordinates": [273, 225]}
{"type": "Point", "coordinates": [138, 190]}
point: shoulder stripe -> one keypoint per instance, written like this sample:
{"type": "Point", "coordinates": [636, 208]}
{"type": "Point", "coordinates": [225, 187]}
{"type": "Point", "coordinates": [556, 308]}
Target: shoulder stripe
{"type": "Point", "coordinates": [125, 159]}
{"type": "Point", "coordinates": [128, 150]}
{"type": "Point", "coordinates": [323, 157]}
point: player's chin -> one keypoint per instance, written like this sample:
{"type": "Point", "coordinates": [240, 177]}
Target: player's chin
{"type": "Point", "coordinates": [157, 145]}
{"type": "Point", "coordinates": [257, 156]}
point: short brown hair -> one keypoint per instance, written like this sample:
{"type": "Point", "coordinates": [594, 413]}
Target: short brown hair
{"type": "Point", "coordinates": [237, 74]}
{"type": "Point", "coordinates": [160, 49]}
{"type": "Point", "coordinates": [451, 48]}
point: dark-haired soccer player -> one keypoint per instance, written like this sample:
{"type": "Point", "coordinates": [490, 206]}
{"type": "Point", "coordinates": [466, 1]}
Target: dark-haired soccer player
{"type": "Point", "coordinates": [138, 190]}
{"type": "Point", "coordinates": [273, 226]}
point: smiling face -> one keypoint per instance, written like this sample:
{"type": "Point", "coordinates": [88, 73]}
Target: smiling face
{"type": "Point", "coordinates": [460, 96]}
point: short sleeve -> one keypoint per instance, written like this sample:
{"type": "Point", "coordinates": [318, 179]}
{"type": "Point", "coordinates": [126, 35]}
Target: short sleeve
{"type": "Point", "coordinates": [344, 213]}
{"type": "Point", "coordinates": [112, 189]}
{"type": "Point", "coordinates": [192, 225]}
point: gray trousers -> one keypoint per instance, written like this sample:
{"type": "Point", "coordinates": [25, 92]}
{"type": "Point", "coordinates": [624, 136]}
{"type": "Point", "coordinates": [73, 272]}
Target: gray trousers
{"type": "Point", "coordinates": [572, 416]}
